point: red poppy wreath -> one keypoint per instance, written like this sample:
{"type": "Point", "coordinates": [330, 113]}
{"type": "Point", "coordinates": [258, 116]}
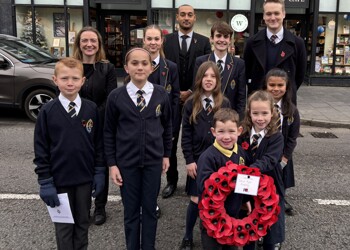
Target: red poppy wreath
{"type": "Point", "coordinates": [231, 231]}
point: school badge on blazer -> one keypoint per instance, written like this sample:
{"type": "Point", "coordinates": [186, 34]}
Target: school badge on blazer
{"type": "Point", "coordinates": [158, 110]}
{"type": "Point", "coordinates": [290, 120]}
{"type": "Point", "coordinates": [233, 84]}
{"type": "Point", "coordinates": [241, 161]}
{"type": "Point", "coordinates": [88, 125]}
{"type": "Point", "coordinates": [168, 88]}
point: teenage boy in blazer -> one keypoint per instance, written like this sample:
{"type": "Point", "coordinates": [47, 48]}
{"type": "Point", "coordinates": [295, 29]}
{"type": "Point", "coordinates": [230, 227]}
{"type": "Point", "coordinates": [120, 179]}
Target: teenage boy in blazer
{"type": "Point", "coordinates": [182, 47]}
{"type": "Point", "coordinates": [274, 47]}
{"type": "Point", "coordinates": [233, 81]}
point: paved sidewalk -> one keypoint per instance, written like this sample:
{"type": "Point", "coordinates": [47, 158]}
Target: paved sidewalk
{"type": "Point", "coordinates": [324, 106]}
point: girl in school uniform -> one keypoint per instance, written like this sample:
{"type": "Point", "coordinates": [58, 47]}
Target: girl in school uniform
{"type": "Point", "coordinates": [278, 84]}
{"type": "Point", "coordinates": [164, 73]}
{"type": "Point", "coordinates": [265, 151]}
{"type": "Point", "coordinates": [138, 140]}
{"type": "Point", "coordinates": [198, 114]}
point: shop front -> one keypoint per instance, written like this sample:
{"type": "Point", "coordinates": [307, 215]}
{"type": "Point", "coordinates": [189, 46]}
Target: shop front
{"type": "Point", "coordinates": [323, 24]}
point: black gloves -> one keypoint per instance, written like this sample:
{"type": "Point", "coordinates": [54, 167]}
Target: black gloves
{"type": "Point", "coordinates": [99, 181]}
{"type": "Point", "coordinates": [48, 192]}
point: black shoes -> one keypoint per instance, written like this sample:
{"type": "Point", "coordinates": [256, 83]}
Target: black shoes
{"type": "Point", "coordinates": [288, 209]}
{"type": "Point", "coordinates": [99, 216]}
{"type": "Point", "coordinates": [168, 190]}
{"type": "Point", "coordinates": [187, 244]}
{"type": "Point", "coordinates": [158, 212]}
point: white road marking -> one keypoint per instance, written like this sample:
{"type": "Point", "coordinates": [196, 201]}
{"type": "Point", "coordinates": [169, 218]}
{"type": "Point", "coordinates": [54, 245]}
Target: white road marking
{"type": "Point", "coordinates": [36, 197]}
{"type": "Point", "coordinates": [333, 202]}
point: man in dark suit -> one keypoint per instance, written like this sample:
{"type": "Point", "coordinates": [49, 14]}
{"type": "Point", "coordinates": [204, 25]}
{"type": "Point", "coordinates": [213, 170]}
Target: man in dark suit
{"type": "Point", "coordinates": [183, 47]}
{"type": "Point", "coordinates": [274, 47]}
{"type": "Point", "coordinates": [233, 81]}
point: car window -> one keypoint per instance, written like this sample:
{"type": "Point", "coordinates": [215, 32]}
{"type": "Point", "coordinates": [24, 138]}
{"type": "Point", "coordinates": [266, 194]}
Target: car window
{"type": "Point", "coordinates": [26, 52]}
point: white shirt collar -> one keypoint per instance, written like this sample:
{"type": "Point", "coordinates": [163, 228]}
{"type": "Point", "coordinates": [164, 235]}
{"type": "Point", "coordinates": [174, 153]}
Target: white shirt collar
{"type": "Point", "coordinates": [211, 98]}
{"type": "Point", "coordinates": [189, 34]}
{"type": "Point", "coordinates": [222, 59]}
{"type": "Point", "coordinates": [148, 87]}
{"type": "Point", "coordinates": [157, 59]}
{"type": "Point", "coordinates": [279, 35]}
{"type": "Point", "coordinates": [253, 132]}
{"type": "Point", "coordinates": [65, 102]}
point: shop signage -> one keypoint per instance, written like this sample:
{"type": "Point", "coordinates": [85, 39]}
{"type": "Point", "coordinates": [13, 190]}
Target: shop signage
{"type": "Point", "coordinates": [239, 23]}
{"type": "Point", "coordinates": [297, 3]}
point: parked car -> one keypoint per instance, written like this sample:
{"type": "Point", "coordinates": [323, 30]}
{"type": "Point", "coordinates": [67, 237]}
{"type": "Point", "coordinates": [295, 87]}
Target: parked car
{"type": "Point", "coordinates": [25, 75]}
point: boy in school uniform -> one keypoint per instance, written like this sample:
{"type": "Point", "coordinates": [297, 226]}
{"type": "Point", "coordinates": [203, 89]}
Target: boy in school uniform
{"type": "Point", "coordinates": [68, 153]}
{"type": "Point", "coordinates": [226, 130]}
{"type": "Point", "coordinates": [231, 68]}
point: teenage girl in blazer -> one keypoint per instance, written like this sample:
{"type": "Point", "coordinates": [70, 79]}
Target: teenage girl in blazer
{"type": "Point", "coordinates": [196, 135]}
{"type": "Point", "coordinates": [164, 72]}
{"type": "Point", "coordinates": [260, 118]}
{"type": "Point", "coordinates": [278, 84]}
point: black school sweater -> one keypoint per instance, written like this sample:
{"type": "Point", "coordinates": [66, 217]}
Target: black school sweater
{"type": "Point", "coordinates": [67, 149]}
{"type": "Point", "coordinates": [134, 138]}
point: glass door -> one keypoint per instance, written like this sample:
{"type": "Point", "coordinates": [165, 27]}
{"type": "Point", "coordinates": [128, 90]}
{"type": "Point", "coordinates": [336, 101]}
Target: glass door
{"type": "Point", "coordinates": [121, 32]}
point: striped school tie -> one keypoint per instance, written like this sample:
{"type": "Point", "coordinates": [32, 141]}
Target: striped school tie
{"type": "Point", "coordinates": [71, 110]}
{"type": "Point", "coordinates": [278, 122]}
{"type": "Point", "coordinates": [255, 143]}
{"type": "Point", "coordinates": [208, 107]}
{"type": "Point", "coordinates": [273, 39]}
{"type": "Point", "coordinates": [219, 64]}
{"type": "Point", "coordinates": [141, 102]}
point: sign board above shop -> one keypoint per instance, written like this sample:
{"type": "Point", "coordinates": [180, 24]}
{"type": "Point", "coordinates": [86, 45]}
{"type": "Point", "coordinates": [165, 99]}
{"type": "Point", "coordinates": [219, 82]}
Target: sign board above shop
{"type": "Point", "coordinates": [296, 3]}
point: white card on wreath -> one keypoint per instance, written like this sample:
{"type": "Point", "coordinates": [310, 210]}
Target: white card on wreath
{"type": "Point", "coordinates": [247, 184]}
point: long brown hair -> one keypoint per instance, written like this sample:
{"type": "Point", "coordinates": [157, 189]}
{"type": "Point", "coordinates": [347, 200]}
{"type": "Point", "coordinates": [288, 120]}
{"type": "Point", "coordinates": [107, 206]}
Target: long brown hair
{"type": "Point", "coordinates": [77, 53]}
{"type": "Point", "coordinates": [156, 27]}
{"type": "Point", "coordinates": [264, 96]}
{"type": "Point", "coordinates": [196, 98]}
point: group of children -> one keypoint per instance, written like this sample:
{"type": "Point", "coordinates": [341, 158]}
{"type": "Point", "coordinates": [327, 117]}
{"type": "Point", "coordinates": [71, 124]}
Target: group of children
{"type": "Point", "coordinates": [137, 137]}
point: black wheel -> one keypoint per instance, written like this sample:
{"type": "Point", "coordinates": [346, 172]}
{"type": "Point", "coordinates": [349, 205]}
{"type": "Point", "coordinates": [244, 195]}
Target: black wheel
{"type": "Point", "coordinates": [35, 100]}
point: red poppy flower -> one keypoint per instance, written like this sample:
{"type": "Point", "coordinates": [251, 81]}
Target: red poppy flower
{"type": "Point", "coordinates": [241, 234]}
{"type": "Point", "coordinates": [245, 145]}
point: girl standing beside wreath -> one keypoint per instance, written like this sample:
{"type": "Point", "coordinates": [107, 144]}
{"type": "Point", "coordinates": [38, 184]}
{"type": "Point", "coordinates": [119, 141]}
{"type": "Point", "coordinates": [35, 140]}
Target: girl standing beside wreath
{"type": "Point", "coordinates": [198, 114]}
{"type": "Point", "coordinates": [279, 86]}
{"type": "Point", "coordinates": [265, 150]}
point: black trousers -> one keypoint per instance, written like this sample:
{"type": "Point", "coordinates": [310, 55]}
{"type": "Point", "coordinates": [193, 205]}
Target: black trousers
{"type": "Point", "coordinates": [140, 189]}
{"type": "Point", "coordinates": [75, 236]}
{"type": "Point", "coordinates": [101, 200]}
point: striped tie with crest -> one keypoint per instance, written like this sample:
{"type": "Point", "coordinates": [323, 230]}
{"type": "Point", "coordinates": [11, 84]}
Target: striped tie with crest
{"type": "Point", "coordinates": [141, 102]}
{"type": "Point", "coordinates": [208, 106]}
{"type": "Point", "coordinates": [278, 122]}
{"type": "Point", "coordinates": [255, 143]}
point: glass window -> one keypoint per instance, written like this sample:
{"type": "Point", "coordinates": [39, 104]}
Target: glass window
{"type": "Point", "coordinates": [344, 6]}
{"type": "Point", "coordinates": [75, 2]}
{"type": "Point", "coordinates": [162, 4]}
{"type": "Point", "coordinates": [76, 23]}
{"type": "Point", "coordinates": [163, 18]}
{"type": "Point", "coordinates": [22, 1]}
{"type": "Point", "coordinates": [204, 4]}
{"type": "Point", "coordinates": [325, 44]}
{"type": "Point", "coordinates": [328, 5]}
{"type": "Point", "coordinates": [49, 2]}
{"type": "Point", "coordinates": [240, 5]}
{"type": "Point", "coordinates": [206, 19]}
{"type": "Point", "coordinates": [342, 47]}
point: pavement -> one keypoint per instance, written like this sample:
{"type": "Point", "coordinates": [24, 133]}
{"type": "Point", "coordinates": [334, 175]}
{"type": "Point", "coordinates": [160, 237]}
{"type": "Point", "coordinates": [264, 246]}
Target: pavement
{"type": "Point", "coordinates": [324, 106]}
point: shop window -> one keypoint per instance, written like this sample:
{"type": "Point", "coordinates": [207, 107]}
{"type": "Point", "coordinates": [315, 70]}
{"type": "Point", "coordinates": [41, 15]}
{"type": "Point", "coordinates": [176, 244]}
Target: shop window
{"type": "Point", "coordinates": [204, 4]}
{"type": "Point", "coordinates": [163, 18]}
{"type": "Point", "coordinates": [50, 28]}
{"type": "Point", "coordinates": [325, 44]}
{"type": "Point", "coordinates": [162, 4]}
{"type": "Point", "coordinates": [342, 47]}
{"type": "Point", "coordinates": [328, 5]}
{"type": "Point", "coordinates": [49, 2]}
{"type": "Point", "coordinates": [240, 5]}
{"type": "Point", "coordinates": [206, 19]}
{"type": "Point", "coordinates": [239, 38]}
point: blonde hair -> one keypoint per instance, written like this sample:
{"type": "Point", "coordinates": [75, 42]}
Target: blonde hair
{"type": "Point", "coordinates": [198, 90]}
{"type": "Point", "coordinates": [69, 62]}
{"type": "Point", "coordinates": [156, 27]}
